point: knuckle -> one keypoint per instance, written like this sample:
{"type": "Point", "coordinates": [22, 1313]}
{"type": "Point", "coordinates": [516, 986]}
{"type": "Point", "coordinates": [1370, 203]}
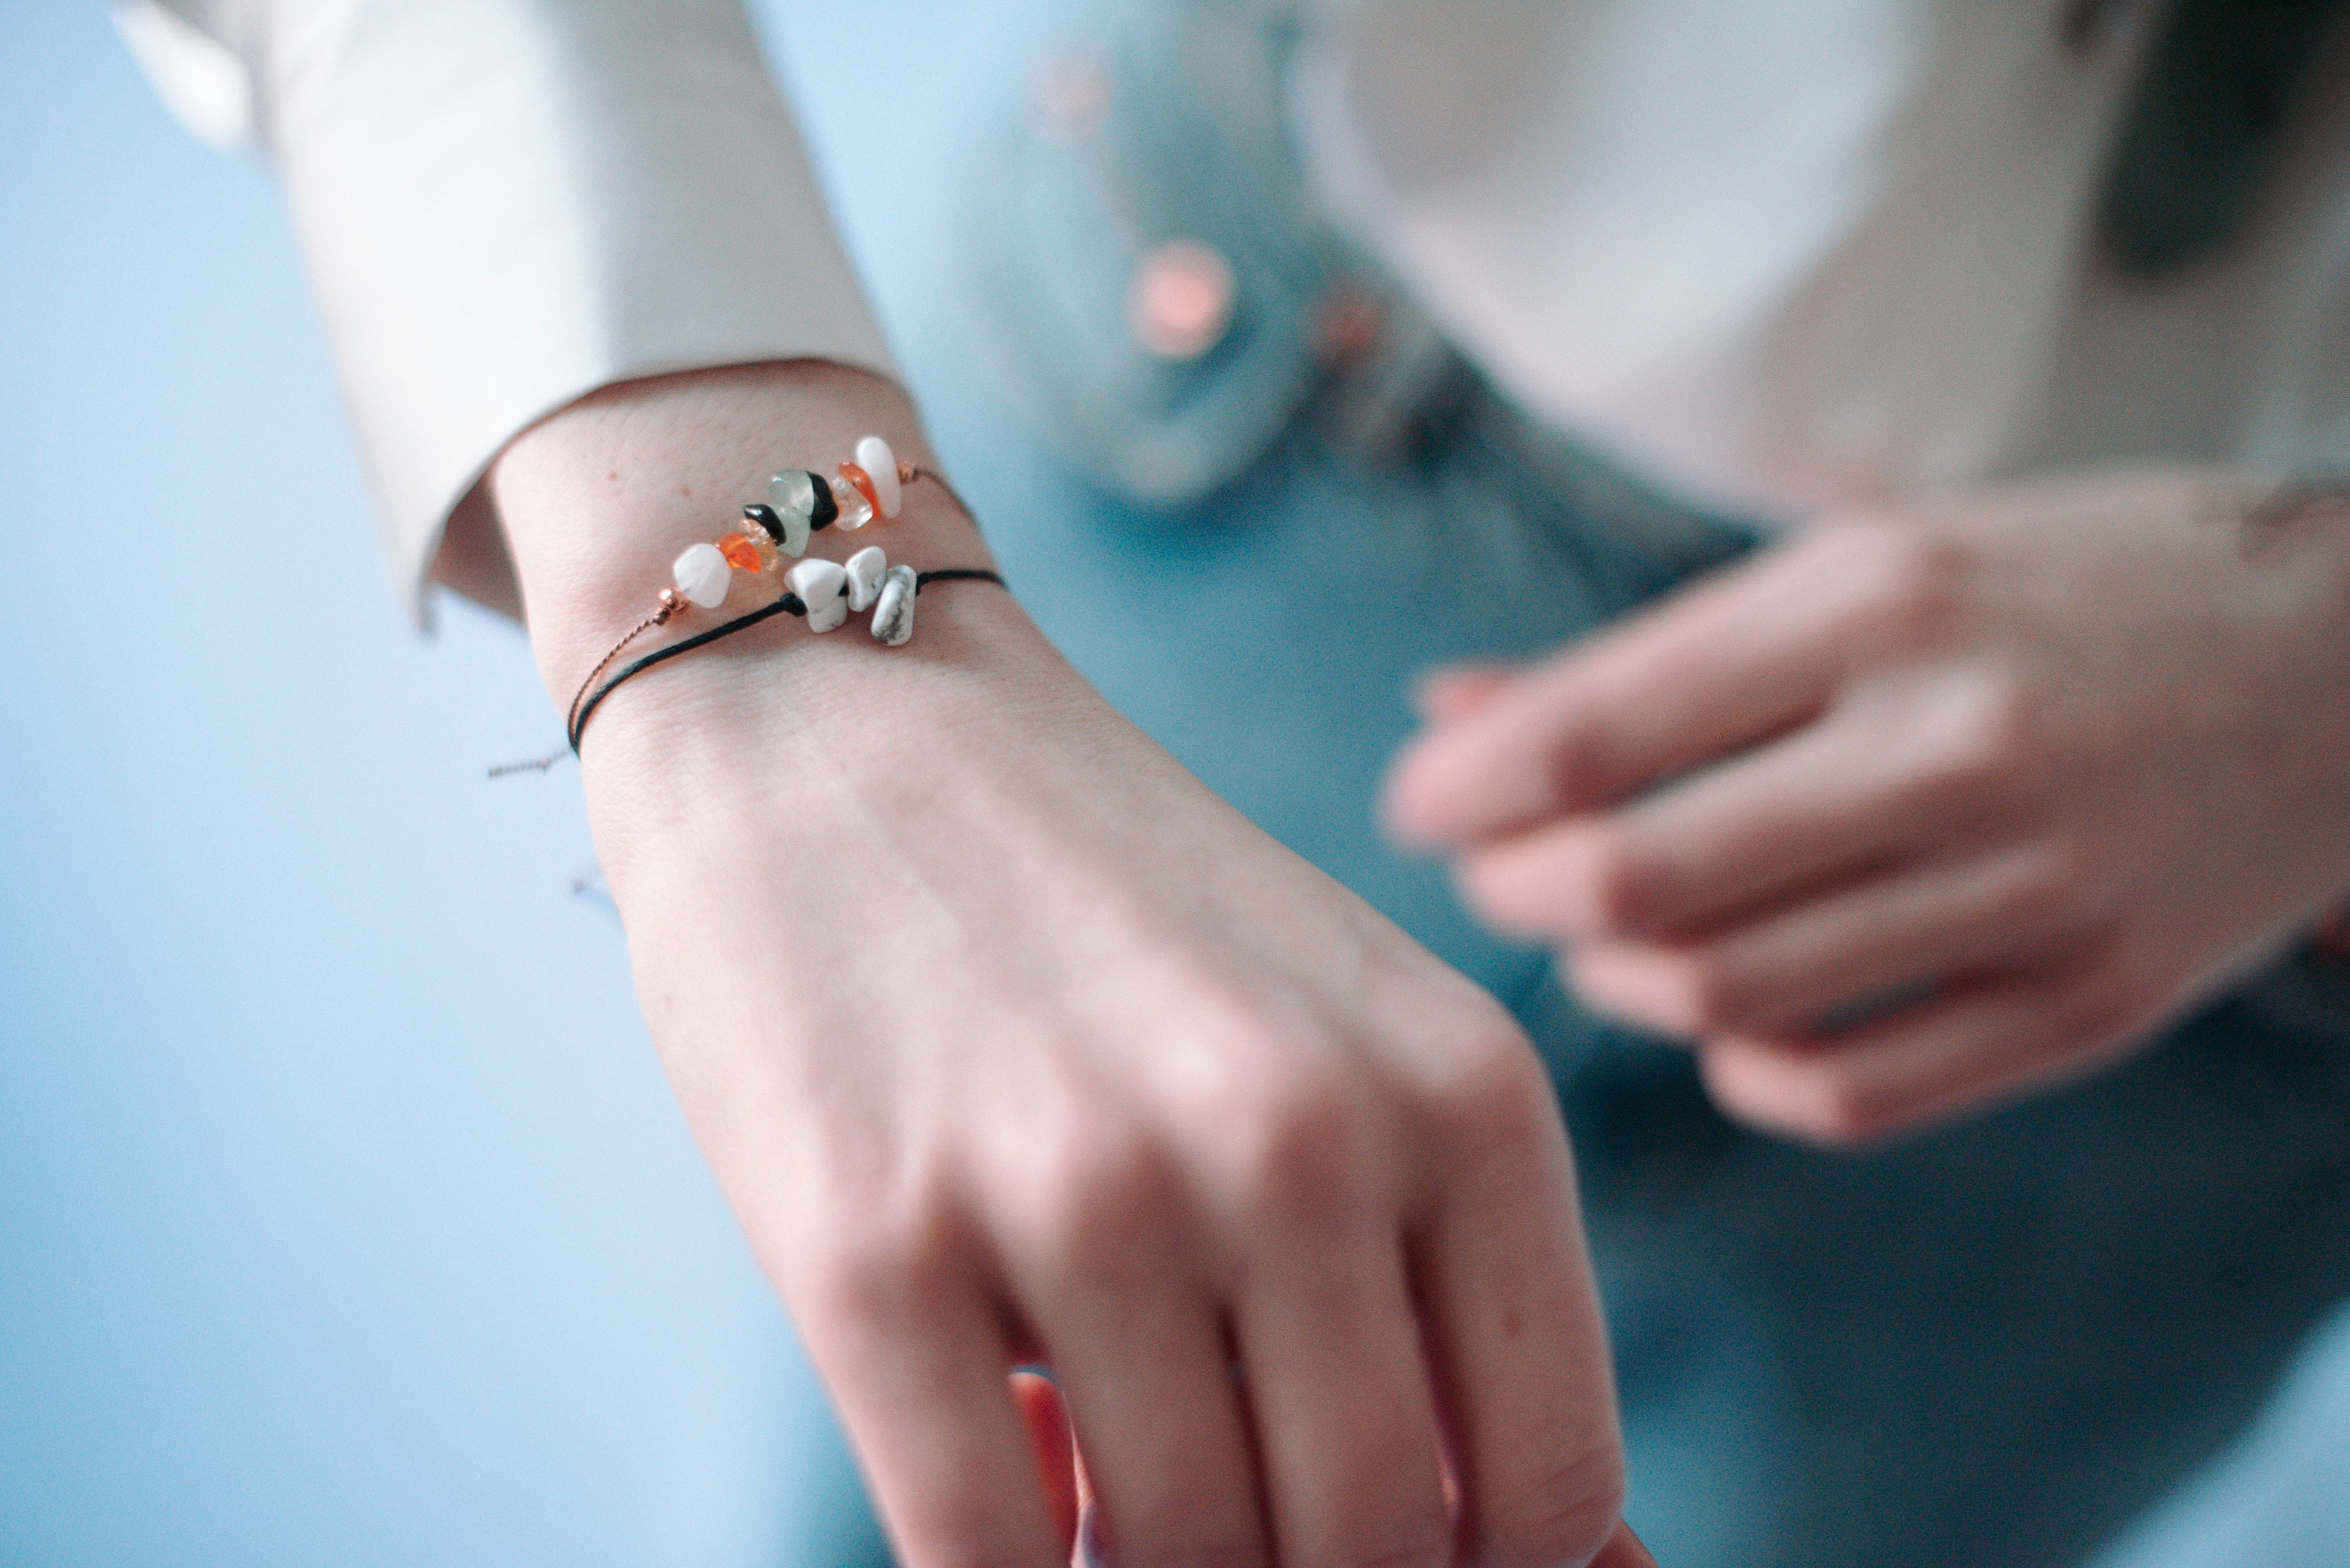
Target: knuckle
{"type": "Point", "coordinates": [1609, 884]}
{"type": "Point", "coordinates": [1489, 1085]}
{"type": "Point", "coordinates": [1086, 1198]}
{"type": "Point", "coordinates": [1991, 747]}
{"type": "Point", "coordinates": [1579, 766]}
{"type": "Point", "coordinates": [1907, 578]}
{"type": "Point", "coordinates": [1564, 1516]}
{"type": "Point", "coordinates": [2055, 891]}
{"type": "Point", "coordinates": [1303, 1155]}
{"type": "Point", "coordinates": [2003, 731]}
{"type": "Point", "coordinates": [880, 1262]}
{"type": "Point", "coordinates": [1704, 991]}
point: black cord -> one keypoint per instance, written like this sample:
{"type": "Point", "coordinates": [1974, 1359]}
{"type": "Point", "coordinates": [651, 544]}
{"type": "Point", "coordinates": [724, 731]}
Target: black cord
{"type": "Point", "coordinates": [790, 603]}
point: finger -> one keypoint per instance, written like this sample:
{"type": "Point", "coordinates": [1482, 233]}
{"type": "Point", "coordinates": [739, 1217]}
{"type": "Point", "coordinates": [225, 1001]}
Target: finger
{"type": "Point", "coordinates": [921, 1382]}
{"type": "Point", "coordinates": [1623, 1551]}
{"type": "Point", "coordinates": [1345, 1420]}
{"type": "Point", "coordinates": [1167, 1457]}
{"type": "Point", "coordinates": [1786, 817]}
{"type": "Point", "coordinates": [1797, 967]}
{"type": "Point", "coordinates": [1726, 663]}
{"type": "Point", "coordinates": [1056, 1449]}
{"type": "Point", "coordinates": [1976, 1045]}
{"type": "Point", "coordinates": [1515, 1334]}
{"type": "Point", "coordinates": [1900, 767]}
{"type": "Point", "coordinates": [1458, 690]}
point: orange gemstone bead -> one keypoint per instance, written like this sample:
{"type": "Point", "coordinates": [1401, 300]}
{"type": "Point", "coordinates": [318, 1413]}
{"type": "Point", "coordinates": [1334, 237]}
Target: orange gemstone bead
{"type": "Point", "coordinates": [740, 553]}
{"type": "Point", "coordinates": [864, 482]}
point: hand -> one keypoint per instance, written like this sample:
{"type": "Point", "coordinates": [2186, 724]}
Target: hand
{"type": "Point", "coordinates": [1920, 812]}
{"type": "Point", "coordinates": [1010, 1043]}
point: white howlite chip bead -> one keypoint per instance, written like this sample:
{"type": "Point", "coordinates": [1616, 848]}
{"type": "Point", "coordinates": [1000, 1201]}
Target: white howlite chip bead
{"type": "Point", "coordinates": [703, 575]}
{"type": "Point", "coordinates": [823, 586]}
{"type": "Point", "coordinates": [874, 456]}
{"type": "Point", "coordinates": [893, 613]}
{"type": "Point", "coordinates": [866, 570]}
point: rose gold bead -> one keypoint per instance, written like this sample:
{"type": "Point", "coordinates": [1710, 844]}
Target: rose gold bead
{"type": "Point", "coordinates": [907, 472]}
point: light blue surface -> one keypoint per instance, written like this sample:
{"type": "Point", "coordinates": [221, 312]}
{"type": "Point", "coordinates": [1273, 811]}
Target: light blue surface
{"type": "Point", "coordinates": [344, 1215]}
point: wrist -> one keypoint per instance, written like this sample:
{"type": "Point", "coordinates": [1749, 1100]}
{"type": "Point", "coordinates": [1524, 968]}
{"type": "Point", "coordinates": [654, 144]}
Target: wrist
{"type": "Point", "coordinates": [599, 499]}
{"type": "Point", "coordinates": [832, 755]}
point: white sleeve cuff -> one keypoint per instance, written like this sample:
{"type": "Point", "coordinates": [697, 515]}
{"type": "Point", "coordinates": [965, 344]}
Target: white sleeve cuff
{"type": "Point", "coordinates": [508, 204]}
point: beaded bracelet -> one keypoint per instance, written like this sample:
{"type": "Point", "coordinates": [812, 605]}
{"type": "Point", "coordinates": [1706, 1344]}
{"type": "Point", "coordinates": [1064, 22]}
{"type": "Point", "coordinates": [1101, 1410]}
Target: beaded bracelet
{"type": "Point", "coordinates": [800, 503]}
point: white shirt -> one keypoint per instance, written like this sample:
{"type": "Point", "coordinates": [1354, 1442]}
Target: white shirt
{"type": "Point", "coordinates": [1780, 252]}
{"type": "Point", "coordinates": [1790, 253]}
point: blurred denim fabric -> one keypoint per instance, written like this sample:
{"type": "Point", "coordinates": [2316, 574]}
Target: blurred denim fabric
{"type": "Point", "coordinates": [344, 1216]}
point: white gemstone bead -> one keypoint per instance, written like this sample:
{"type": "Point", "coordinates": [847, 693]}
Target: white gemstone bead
{"type": "Point", "coordinates": [874, 456]}
{"type": "Point", "coordinates": [893, 615]}
{"type": "Point", "coordinates": [866, 570]}
{"type": "Point", "coordinates": [703, 575]}
{"type": "Point", "coordinates": [855, 512]}
{"type": "Point", "coordinates": [823, 586]}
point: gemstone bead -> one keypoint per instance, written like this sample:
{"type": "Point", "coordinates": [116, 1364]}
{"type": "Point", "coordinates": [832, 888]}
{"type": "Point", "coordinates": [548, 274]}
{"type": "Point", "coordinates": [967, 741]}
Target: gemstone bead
{"type": "Point", "coordinates": [893, 615]}
{"type": "Point", "coordinates": [880, 465]}
{"type": "Point", "coordinates": [823, 586]}
{"type": "Point", "coordinates": [787, 530]}
{"type": "Point", "coordinates": [866, 570]}
{"type": "Point", "coordinates": [797, 492]}
{"type": "Point", "coordinates": [855, 511]}
{"type": "Point", "coordinates": [702, 574]}
{"type": "Point", "coordinates": [863, 484]}
{"type": "Point", "coordinates": [741, 553]}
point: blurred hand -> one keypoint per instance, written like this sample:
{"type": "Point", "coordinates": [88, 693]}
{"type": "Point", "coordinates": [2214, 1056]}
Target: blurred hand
{"type": "Point", "coordinates": [1010, 1043]}
{"type": "Point", "coordinates": [1922, 811]}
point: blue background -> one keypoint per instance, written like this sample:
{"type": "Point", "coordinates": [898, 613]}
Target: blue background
{"type": "Point", "coordinates": [343, 1214]}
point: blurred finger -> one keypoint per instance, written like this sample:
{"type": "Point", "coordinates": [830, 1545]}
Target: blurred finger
{"type": "Point", "coordinates": [1795, 967]}
{"type": "Point", "coordinates": [1167, 1456]}
{"type": "Point", "coordinates": [1458, 690]}
{"type": "Point", "coordinates": [1898, 769]}
{"type": "Point", "coordinates": [1783, 818]}
{"type": "Point", "coordinates": [1515, 1333]}
{"type": "Point", "coordinates": [1344, 1419]}
{"type": "Point", "coordinates": [924, 1389]}
{"type": "Point", "coordinates": [1725, 664]}
{"type": "Point", "coordinates": [1976, 1045]}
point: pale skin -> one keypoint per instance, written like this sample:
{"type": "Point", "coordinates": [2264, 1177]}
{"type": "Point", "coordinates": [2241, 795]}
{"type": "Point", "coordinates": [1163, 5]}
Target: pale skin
{"type": "Point", "coordinates": [1010, 1043]}
{"type": "Point", "coordinates": [1927, 809]}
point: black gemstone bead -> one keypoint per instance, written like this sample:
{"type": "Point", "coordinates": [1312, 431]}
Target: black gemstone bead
{"type": "Point", "coordinates": [765, 516]}
{"type": "Point", "coordinates": [827, 508]}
